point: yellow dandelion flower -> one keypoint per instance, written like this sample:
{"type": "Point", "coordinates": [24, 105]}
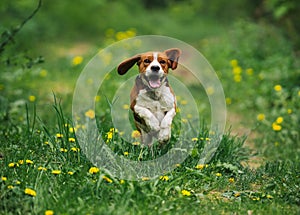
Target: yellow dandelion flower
{"type": "Point", "coordinates": [10, 187]}
{"type": "Point", "coordinates": [56, 172]}
{"type": "Point", "coordinates": [276, 127]}
{"type": "Point", "coordinates": [200, 166]}
{"type": "Point", "coordinates": [278, 88]}
{"type": "Point", "coordinates": [109, 136]}
{"type": "Point", "coordinates": [41, 168]}
{"type": "Point", "coordinates": [113, 130]}
{"type": "Point", "coordinates": [107, 179]}
{"type": "Point", "coordinates": [237, 78]}
{"type": "Point", "coordinates": [77, 60]}
{"type": "Point", "coordinates": [58, 135]}
{"type": "Point", "coordinates": [164, 178]}
{"type": "Point", "coordinates": [97, 98]}
{"type": "Point", "coordinates": [71, 139]}
{"type": "Point", "coordinates": [120, 35]}
{"type": "Point", "coordinates": [183, 102]}
{"type": "Point", "coordinates": [126, 107]}
{"type": "Point", "coordinates": [46, 142]}
{"type": "Point", "coordinates": [218, 174]}
{"type": "Point", "coordinates": [195, 139]}
{"type": "Point", "coordinates": [210, 90]}
{"type": "Point", "coordinates": [94, 170]}
{"type": "Point", "coordinates": [231, 180]}
{"type": "Point", "coordinates": [122, 181]}
{"type": "Point", "coordinates": [29, 161]}
{"type": "Point", "coordinates": [31, 98]}
{"type": "Point", "coordinates": [249, 71]}
{"type": "Point", "coordinates": [135, 134]}
{"type": "Point", "coordinates": [269, 196]}
{"type": "Point", "coordinates": [49, 212]}
{"type": "Point", "coordinates": [63, 150]}
{"type": "Point", "coordinates": [185, 192]}
{"type": "Point", "coordinates": [131, 33]}
{"type": "Point", "coordinates": [136, 143]}
{"type": "Point", "coordinates": [43, 73]}
{"type": "Point", "coordinates": [279, 120]}
{"type": "Point", "coordinates": [20, 162]}
{"type": "Point", "coordinates": [228, 101]}
{"type": "Point", "coordinates": [90, 114]}
{"type": "Point", "coordinates": [18, 182]}
{"type": "Point", "coordinates": [70, 173]}
{"type": "Point", "coordinates": [237, 194]}
{"type": "Point", "coordinates": [234, 63]}
{"type": "Point", "coordinates": [4, 178]}
{"type": "Point", "coordinates": [12, 165]}
{"type": "Point", "coordinates": [72, 130]}
{"type": "Point", "coordinates": [184, 120]}
{"type": "Point", "coordinates": [145, 179]}
{"type": "Point", "coordinates": [260, 117]}
{"type": "Point", "coordinates": [237, 70]}
{"type": "Point", "coordinates": [30, 192]}
{"type": "Point", "coordinates": [178, 165]}
{"type": "Point", "coordinates": [126, 153]}
{"type": "Point", "coordinates": [75, 149]}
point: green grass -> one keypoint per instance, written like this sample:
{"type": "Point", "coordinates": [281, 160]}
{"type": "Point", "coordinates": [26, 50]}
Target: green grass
{"type": "Point", "coordinates": [222, 186]}
{"type": "Point", "coordinates": [260, 77]}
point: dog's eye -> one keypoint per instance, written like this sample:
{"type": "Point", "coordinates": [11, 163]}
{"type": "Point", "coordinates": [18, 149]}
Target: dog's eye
{"type": "Point", "coordinates": [147, 61]}
{"type": "Point", "coordinates": [162, 62]}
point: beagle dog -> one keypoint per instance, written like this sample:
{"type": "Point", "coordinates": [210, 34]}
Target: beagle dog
{"type": "Point", "coordinates": [152, 100]}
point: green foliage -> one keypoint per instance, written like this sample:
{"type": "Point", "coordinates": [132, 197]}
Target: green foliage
{"type": "Point", "coordinates": [280, 9]}
{"type": "Point", "coordinates": [257, 67]}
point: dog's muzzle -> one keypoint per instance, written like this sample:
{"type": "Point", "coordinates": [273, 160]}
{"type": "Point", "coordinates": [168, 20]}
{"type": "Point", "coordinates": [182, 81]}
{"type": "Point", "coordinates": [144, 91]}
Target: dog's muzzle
{"type": "Point", "coordinates": [154, 81]}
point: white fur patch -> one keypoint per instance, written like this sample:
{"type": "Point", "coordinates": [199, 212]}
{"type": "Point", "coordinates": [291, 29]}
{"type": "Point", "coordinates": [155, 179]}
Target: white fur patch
{"type": "Point", "coordinates": [157, 108]}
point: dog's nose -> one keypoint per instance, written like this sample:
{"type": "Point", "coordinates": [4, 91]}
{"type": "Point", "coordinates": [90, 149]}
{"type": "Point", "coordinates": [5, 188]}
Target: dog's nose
{"type": "Point", "coordinates": [155, 68]}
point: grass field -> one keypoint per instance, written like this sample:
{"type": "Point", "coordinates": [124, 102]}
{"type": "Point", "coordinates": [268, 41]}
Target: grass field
{"type": "Point", "coordinates": [255, 170]}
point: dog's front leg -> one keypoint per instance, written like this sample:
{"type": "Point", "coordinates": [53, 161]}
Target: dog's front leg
{"type": "Point", "coordinates": [149, 118]}
{"type": "Point", "coordinates": [165, 126]}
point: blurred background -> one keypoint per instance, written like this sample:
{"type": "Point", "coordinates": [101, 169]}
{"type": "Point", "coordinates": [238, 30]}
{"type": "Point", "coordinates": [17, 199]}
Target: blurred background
{"type": "Point", "coordinates": [64, 24]}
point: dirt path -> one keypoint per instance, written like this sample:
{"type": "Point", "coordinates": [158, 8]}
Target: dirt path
{"type": "Point", "coordinates": [238, 128]}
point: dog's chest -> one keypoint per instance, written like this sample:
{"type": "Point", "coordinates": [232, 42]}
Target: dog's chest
{"type": "Point", "coordinates": [158, 101]}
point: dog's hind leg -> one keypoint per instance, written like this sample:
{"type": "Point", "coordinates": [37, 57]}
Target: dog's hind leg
{"type": "Point", "coordinates": [147, 138]}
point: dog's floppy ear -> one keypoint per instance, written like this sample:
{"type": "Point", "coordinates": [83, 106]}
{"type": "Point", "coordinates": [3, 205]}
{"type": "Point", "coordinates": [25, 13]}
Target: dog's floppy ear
{"type": "Point", "coordinates": [127, 64]}
{"type": "Point", "coordinates": [173, 55]}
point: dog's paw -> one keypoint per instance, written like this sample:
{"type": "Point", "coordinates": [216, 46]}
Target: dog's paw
{"type": "Point", "coordinates": [164, 135]}
{"type": "Point", "coordinates": [166, 122]}
{"type": "Point", "coordinates": [153, 125]}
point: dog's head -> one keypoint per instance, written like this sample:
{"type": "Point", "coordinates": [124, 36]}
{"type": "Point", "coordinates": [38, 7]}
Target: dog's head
{"type": "Point", "coordinates": [153, 66]}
